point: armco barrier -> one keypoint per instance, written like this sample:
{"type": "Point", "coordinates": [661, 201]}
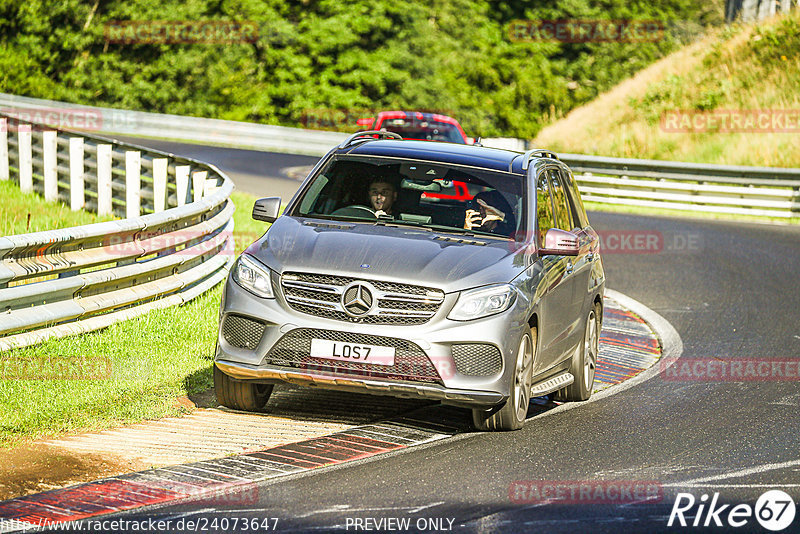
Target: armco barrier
{"type": "Point", "coordinates": [177, 127]}
{"type": "Point", "coordinates": [699, 187]}
{"type": "Point", "coordinates": [174, 243]}
{"type": "Point", "coordinates": [763, 191]}
{"type": "Point", "coordinates": [693, 187]}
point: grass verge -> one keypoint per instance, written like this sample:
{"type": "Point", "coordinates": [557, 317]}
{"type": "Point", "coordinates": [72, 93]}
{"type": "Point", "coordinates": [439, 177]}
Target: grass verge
{"type": "Point", "coordinates": [145, 364]}
{"type": "Point", "coordinates": [25, 213]}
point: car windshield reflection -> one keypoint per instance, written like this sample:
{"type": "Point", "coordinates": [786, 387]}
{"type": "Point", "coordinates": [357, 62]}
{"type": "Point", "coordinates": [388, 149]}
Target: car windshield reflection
{"type": "Point", "coordinates": [440, 197]}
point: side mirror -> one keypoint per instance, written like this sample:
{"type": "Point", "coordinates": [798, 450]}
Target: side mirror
{"type": "Point", "coordinates": [267, 209]}
{"type": "Point", "coordinates": [559, 242]}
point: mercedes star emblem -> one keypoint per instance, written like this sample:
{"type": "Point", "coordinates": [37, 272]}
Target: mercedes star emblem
{"type": "Point", "coordinates": [357, 299]}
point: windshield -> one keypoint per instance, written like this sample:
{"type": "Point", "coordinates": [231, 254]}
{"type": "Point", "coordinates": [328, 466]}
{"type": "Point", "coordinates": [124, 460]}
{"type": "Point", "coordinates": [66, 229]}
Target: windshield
{"type": "Point", "coordinates": [426, 130]}
{"type": "Point", "coordinates": [442, 197]}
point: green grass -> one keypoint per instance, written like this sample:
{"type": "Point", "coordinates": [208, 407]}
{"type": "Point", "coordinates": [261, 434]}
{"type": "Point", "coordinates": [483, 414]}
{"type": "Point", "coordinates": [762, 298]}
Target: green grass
{"type": "Point", "coordinates": [24, 213]}
{"type": "Point", "coordinates": [153, 359]}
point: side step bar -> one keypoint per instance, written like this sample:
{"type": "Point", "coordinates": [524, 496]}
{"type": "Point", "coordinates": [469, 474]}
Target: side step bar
{"type": "Point", "coordinates": [551, 385]}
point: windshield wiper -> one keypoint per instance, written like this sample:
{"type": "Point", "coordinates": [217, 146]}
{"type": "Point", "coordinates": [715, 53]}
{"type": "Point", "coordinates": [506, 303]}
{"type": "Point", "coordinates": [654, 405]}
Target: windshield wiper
{"type": "Point", "coordinates": [344, 218]}
{"type": "Point", "coordinates": [463, 231]}
{"type": "Point", "coordinates": [396, 223]}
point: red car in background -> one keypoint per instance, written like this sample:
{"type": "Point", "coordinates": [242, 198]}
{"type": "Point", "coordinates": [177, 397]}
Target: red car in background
{"type": "Point", "coordinates": [426, 127]}
{"type": "Point", "coordinates": [418, 125]}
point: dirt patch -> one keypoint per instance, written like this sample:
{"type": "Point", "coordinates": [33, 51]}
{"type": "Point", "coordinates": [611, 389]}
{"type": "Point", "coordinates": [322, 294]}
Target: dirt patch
{"type": "Point", "coordinates": [30, 468]}
{"type": "Point", "coordinates": [204, 399]}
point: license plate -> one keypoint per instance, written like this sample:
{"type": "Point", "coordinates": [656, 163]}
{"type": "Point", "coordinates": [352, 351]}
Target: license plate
{"type": "Point", "coordinates": [352, 352]}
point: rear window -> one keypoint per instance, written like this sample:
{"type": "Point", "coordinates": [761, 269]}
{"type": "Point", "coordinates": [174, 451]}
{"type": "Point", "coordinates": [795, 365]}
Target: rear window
{"type": "Point", "coordinates": [425, 130]}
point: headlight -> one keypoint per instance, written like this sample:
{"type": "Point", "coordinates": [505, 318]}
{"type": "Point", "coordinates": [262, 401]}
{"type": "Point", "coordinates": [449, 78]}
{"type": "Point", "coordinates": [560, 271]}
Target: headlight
{"type": "Point", "coordinates": [253, 277]}
{"type": "Point", "coordinates": [477, 303]}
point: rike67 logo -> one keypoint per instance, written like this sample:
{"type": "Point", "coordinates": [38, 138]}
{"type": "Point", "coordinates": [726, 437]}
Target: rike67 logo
{"type": "Point", "coordinates": [774, 510]}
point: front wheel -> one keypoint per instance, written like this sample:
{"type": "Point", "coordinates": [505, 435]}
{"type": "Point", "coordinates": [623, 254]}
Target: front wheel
{"type": "Point", "coordinates": [512, 414]}
{"type": "Point", "coordinates": [248, 396]}
{"type": "Point", "coordinates": [584, 362]}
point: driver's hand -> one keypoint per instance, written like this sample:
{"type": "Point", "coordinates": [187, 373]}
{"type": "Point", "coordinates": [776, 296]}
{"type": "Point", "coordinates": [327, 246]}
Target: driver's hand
{"type": "Point", "coordinates": [492, 213]}
{"type": "Point", "coordinates": [472, 219]}
{"type": "Point", "coordinates": [381, 213]}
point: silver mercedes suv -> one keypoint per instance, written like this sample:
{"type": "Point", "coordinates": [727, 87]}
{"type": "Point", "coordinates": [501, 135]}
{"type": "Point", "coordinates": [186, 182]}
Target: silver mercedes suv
{"type": "Point", "coordinates": [459, 273]}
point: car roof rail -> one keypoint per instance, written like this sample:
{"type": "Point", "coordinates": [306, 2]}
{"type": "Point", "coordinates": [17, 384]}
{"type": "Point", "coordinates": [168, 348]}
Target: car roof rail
{"type": "Point", "coordinates": [368, 135]}
{"type": "Point", "coordinates": [536, 153]}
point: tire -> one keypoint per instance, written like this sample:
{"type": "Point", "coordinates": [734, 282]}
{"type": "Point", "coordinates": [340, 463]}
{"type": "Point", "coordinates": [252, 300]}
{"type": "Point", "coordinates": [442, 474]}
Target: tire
{"type": "Point", "coordinates": [248, 396]}
{"type": "Point", "coordinates": [584, 362]}
{"type": "Point", "coordinates": [511, 415]}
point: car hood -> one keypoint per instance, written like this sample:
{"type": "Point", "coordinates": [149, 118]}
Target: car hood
{"type": "Point", "coordinates": [450, 262]}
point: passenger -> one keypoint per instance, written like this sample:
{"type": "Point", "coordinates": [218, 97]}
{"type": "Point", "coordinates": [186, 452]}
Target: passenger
{"type": "Point", "coordinates": [490, 212]}
{"type": "Point", "coordinates": [382, 195]}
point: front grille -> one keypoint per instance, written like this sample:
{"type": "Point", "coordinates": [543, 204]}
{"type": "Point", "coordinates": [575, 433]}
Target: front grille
{"type": "Point", "coordinates": [410, 362]}
{"type": "Point", "coordinates": [397, 304]}
{"type": "Point", "coordinates": [477, 359]}
{"type": "Point", "coordinates": [241, 332]}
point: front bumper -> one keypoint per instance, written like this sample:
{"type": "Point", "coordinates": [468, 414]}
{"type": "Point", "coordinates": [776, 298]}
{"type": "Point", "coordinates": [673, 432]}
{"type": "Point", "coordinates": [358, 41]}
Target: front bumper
{"type": "Point", "coordinates": [435, 338]}
{"type": "Point", "coordinates": [269, 373]}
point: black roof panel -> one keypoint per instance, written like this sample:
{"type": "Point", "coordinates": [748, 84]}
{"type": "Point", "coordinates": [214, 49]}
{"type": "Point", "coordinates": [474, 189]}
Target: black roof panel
{"type": "Point", "coordinates": [477, 156]}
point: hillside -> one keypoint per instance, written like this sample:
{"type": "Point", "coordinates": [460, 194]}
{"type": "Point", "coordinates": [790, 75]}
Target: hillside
{"type": "Point", "coordinates": [683, 107]}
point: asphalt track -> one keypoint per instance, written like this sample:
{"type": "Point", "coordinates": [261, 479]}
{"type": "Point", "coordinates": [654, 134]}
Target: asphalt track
{"type": "Point", "coordinates": [729, 289]}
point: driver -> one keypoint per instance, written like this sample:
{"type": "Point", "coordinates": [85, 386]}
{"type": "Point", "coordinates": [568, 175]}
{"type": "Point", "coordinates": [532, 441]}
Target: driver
{"type": "Point", "coordinates": [382, 195]}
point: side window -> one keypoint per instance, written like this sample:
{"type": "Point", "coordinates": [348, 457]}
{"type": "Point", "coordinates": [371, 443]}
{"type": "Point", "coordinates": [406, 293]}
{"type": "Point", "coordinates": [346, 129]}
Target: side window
{"type": "Point", "coordinates": [544, 209]}
{"type": "Point", "coordinates": [578, 211]}
{"type": "Point", "coordinates": [560, 203]}
{"type": "Point", "coordinates": [313, 193]}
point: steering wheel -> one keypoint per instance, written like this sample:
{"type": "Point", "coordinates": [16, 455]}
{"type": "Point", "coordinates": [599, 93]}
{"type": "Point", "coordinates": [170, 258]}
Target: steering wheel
{"type": "Point", "coordinates": [354, 211]}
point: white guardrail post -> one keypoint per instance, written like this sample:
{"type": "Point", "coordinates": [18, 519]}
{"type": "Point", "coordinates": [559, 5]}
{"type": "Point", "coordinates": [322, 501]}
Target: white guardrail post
{"type": "Point", "coordinates": [25, 158]}
{"type": "Point", "coordinates": [104, 204]}
{"type": "Point", "coordinates": [76, 192]}
{"type": "Point", "coordinates": [50, 169]}
{"type": "Point", "coordinates": [4, 149]}
{"type": "Point", "coordinates": [133, 182]}
{"type": "Point", "coordinates": [74, 280]}
{"type": "Point", "coordinates": [160, 184]}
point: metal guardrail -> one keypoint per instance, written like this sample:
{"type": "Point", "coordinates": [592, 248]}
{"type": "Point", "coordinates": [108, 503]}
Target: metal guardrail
{"type": "Point", "coordinates": [174, 243]}
{"type": "Point", "coordinates": [698, 187]}
{"type": "Point", "coordinates": [729, 189]}
{"type": "Point", "coordinates": [178, 128]}
{"type": "Point", "coordinates": [694, 187]}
